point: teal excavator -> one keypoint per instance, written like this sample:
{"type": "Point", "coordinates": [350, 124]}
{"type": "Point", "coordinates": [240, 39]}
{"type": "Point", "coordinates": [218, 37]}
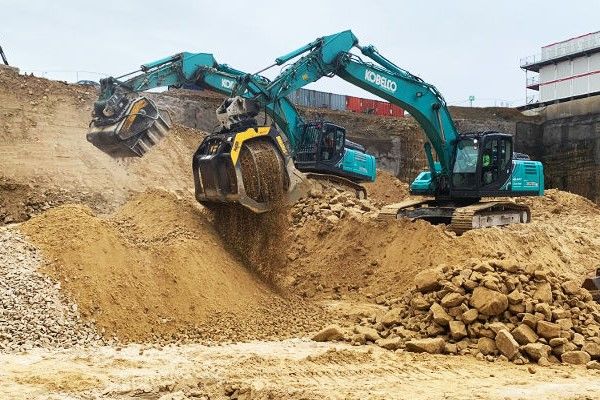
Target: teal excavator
{"type": "Point", "coordinates": [463, 168]}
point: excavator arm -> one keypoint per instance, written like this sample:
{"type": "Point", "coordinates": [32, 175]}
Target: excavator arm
{"type": "Point", "coordinates": [226, 164]}
{"type": "Point", "coordinates": [125, 123]}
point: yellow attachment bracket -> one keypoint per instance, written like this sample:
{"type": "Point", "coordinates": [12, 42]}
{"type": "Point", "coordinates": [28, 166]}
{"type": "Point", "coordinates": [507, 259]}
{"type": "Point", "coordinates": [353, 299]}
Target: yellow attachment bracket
{"type": "Point", "coordinates": [241, 137]}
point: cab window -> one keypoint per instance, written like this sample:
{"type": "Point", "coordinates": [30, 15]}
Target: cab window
{"type": "Point", "coordinates": [466, 156]}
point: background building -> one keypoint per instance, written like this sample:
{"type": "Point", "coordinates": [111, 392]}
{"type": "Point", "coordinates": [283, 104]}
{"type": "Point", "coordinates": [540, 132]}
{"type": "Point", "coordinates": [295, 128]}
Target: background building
{"type": "Point", "coordinates": [563, 71]}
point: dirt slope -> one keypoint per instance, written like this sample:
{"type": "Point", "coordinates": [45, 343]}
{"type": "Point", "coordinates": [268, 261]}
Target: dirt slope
{"type": "Point", "coordinates": [157, 268]}
{"type": "Point", "coordinates": [42, 141]}
{"type": "Point", "coordinates": [386, 189]}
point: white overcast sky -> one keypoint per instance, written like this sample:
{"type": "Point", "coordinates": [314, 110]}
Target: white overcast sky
{"type": "Point", "coordinates": [463, 47]}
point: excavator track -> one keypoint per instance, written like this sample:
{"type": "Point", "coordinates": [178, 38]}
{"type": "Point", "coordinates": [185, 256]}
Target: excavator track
{"type": "Point", "coordinates": [488, 214]}
{"type": "Point", "coordinates": [395, 210]}
{"type": "Point", "coordinates": [360, 191]}
{"type": "Point", "coordinates": [459, 218]}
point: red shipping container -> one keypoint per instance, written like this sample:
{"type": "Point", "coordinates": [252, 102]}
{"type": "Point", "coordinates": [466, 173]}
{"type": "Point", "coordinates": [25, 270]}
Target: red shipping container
{"type": "Point", "coordinates": [397, 111]}
{"type": "Point", "coordinates": [382, 108]}
{"type": "Point", "coordinates": [353, 104]}
{"type": "Point", "coordinates": [368, 106]}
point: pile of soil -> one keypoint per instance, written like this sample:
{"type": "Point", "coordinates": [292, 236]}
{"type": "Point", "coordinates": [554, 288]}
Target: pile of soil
{"type": "Point", "coordinates": [157, 269]}
{"type": "Point", "coordinates": [386, 189]}
{"type": "Point", "coordinates": [371, 259]}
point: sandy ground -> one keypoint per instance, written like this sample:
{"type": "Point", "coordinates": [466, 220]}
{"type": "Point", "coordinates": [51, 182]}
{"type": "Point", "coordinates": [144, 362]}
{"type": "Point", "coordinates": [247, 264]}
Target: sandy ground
{"type": "Point", "coordinates": [291, 369]}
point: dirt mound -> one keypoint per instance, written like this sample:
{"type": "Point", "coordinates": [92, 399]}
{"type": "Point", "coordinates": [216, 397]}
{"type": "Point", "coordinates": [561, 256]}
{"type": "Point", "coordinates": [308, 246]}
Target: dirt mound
{"type": "Point", "coordinates": [366, 258]}
{"type": "Point", "coordinates": [43, 125]}
{"type": "Point", "coordinates": [386, 189]}
{"type": "Point", "coordinates": [487, 113]}
{"type": "Point", "coordinates": [158, 269]}
{"type": "Point", "coordinates": [491, 308]}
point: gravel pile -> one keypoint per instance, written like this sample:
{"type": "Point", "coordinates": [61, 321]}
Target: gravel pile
{"type": "Point", "coordinates": [32, 311]}
{"type": "Point", "coordinates": [329, 203]}
{"type": "Point", "coordinates": [492, 309]}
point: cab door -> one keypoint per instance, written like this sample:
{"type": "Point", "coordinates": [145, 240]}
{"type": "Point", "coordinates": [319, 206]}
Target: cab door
{"type": "Point", "coordinates": [331, 149]}
{"type": "Point", "coordinates": [495, 163]}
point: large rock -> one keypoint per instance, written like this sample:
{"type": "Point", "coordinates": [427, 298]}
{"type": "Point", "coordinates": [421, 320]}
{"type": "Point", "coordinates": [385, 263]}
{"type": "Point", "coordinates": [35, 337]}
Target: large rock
{"type": "Point", "coordinates": [329, 334]}
{"type": "Point", "coordinates": [548, 330]}
{"type": "Point", "coordinates": [515, 297]}
{"type": "Point", "coordinates": [564, 323]}
{"type": "Point", "coordinates": [508, 265]}
{"type": "Point", "coordinates": [593, 365]}
{"type": "Point", "coordinates": [523, 334]}
{"type": "Point", "coordinates": [432, 346]}
{"type": "Point", "coordinates": [469, 316]}
{"type": "Point", "coordinates": [369, 334]}
{"type": "Point", "coordinates": [457, 330]}
{"type": "Point", "coordinates": [593, 349]}
{"type": "Point", "coordinates": [545, 310]}
{"type": "Point", "coordinates": [390, 344]}
{"type": "Point", "coordinates": [563, 348]}
{"type": "Point", "coordinates": [536, 351]}
{"type": "Point", "coordinates": [577, 357]}
{"type": "Point", "coordinates": [530, 320]}
{"type": "Point", "coordinates": [507, 344]}
{"type": "Point", "coordinates": [427, 281]}
{"type": "Point", "coordinates": [543, 293]}
{"type": "Point", "coordinates": [559, 341]}
{"type": "Point", "coordinates": [452, 300]}
{"type": "Point", "coordinates": [489, 302]}
{"type": "Point", "coordinates": [392, 317]}
{"type": "Point", "coordinates": [440, 316]}
{"type": "Point", "coordinates": [571, 287]}
{"type": "Point", "coordinates": [486, 346]}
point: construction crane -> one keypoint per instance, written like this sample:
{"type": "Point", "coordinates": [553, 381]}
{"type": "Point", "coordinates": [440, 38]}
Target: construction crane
{"type": "Point", "coordinates": [127, 123]}
{"type": "Point", "coordinates": [463, 168]}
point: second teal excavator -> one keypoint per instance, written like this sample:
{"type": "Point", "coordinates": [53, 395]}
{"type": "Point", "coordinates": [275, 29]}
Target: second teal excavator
{"type": "Point", "coordinates": [463, 167]}
{"type": "Point", "coordinates": [126, 123]}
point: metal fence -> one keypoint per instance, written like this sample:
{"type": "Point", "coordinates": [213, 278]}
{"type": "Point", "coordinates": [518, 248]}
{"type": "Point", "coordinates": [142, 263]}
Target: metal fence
{"type": "Point", "coordinates": [67, 76]}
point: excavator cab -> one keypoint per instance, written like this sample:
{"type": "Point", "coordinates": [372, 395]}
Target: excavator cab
{"type": "Point", "coordinates": [321, 146]}
{"type": "Point", "coordinates": [324, 149]}
{"type": "Point", "coordinates": [482, 164]}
